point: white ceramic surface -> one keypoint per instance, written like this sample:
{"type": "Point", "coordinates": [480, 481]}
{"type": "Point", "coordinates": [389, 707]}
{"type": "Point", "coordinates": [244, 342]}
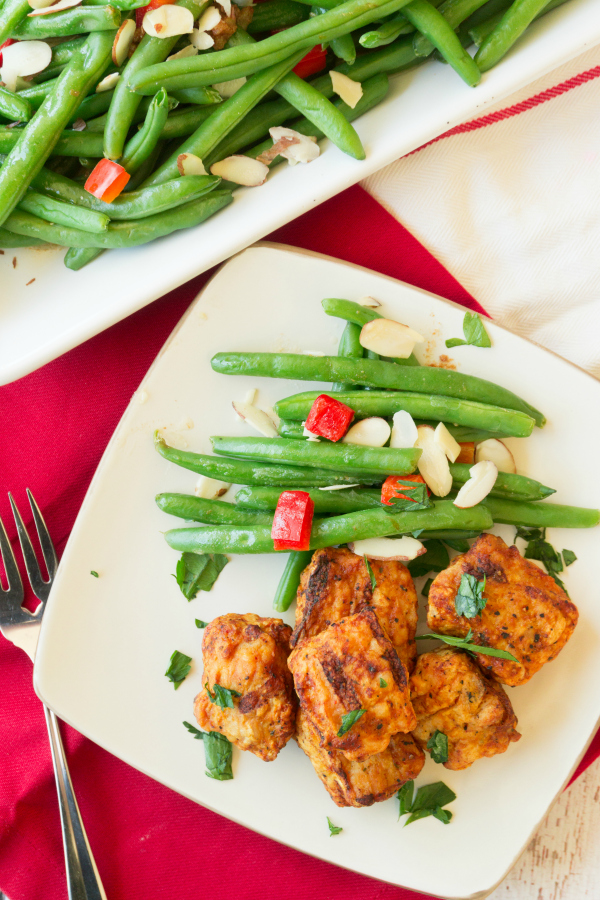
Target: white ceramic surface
{"type": "Point", "coordinates": [106, 642]}
{"type": "Point", "coordinates": [61, 309]}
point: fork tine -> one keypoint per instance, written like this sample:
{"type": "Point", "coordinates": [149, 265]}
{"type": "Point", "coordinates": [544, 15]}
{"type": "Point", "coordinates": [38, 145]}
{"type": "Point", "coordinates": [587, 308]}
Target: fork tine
{"type": "Point", "coordinates": [48, 551]}
{"type": "Point", "coordinates": [10, 566]}
{"type": "Point", "coordinates": [40, 587]}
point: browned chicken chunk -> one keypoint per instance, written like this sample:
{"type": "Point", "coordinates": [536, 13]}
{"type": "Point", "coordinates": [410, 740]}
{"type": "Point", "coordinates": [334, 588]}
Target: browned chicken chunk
{"type": "Point", "coordinates": [352, 666]}
{"type": "Point", "coordinates": [450, 694]}
{"type": "Point", "coordinates": [526, 612]}
{"type": "Point", "coordinates": [352, 783]}
{"type": "Point", "coordinates": [248, 654]}
{"type": "Point", "coordinates": [336, 584]}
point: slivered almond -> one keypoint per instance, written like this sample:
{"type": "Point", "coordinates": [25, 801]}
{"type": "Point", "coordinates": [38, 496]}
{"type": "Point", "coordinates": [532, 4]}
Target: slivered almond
{"type": "Point", "coordinates": [241, 170]}
{"type": "Point", "coordinates": [108, 82]}
{"type": "Point", "coordinates": [23, 58]}
{"type": "Point", "coordinates": [56, 7]}
{"type": "Point", "coordinates": [225, 6]}
{"type": "Point", "coordinates": [209, 19]}
{"type": "Point", "coordinates": [404, 430]}
{"type": "Point", "coordinates": [450, 447]}
{"type": "Point", "coordinates": [168, 21]}
{"type": "Point", "coordinates": [433, 464]}
{"type": "Point", "coordinates": [403, 549]}
{"type": "Point", "coordinates": [498, 453]}
{"type": "Point", "coordinates": [256, 417]}
{"type": "Point", "coordinates": [188, 164]}
{"type": "Point", "coordinates": [483, 477]}
{"type": "Point", "coordinates": [276, 150]}
{"type": "Point", "coordinates": [122, 41]}
{"type": "Point", "coordinates": [228, 88]}
{"type": "Point", "coordinates": [303, 150]}
{"type": "Point", "coordinates": [184, 53]}
{"type": "Point", "coordinates": [40, 4]}
{"type": "Point", "coordinates": [371, 302]}
{"type": "Point", "coordinates": [389, 338]}
{"type": "Point", "coordinates": [350, 91]}
{"type": "Point", "coordinates": [371, 432]}
{"type": "Point", "coordinates": [210, 488]}
{"type": "Point", "coordinates": [201, 40]}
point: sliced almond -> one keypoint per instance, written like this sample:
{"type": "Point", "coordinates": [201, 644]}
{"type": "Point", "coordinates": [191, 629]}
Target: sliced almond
{"type": "Point", "coordinates": [40, 4]}
{"type": "Point", "coordinates": [55, 7]}
{"type": "Point", "coordinates": [256, 417]}
{"type": "Point", "coordinates": [483, 477]}
{"type": "Point", "coordinates": [184, 53]}
{"type": "Point", "coordinates": [79, 125]}
{"type": "Point", "coordinates": [188, 164]}
{"type": "Point", "coordinates": [371, 432]}
{"type": "Point", "coordinates": [201, 40]}
{"type": "Point", "coordinates": [209, 19]}
{"type": "Point", "coordinates": [403, 549]}
{"type": "Point", "coordinates": [122, 42]}
{"type": "Point", "coordinates": [168, 21]}
{"type": "Point", "coordinates": [389, 338]}
{"type": "Point", "coordinates": [350, 91]}
{"type": "Point", "coordinates": [404, 430]}
{"type": "Point", "coordinates": [251, 395]}
{"type": "Point", "coordinates": [108, 83]}
{"type": "Point", "coordinates": [338, 487]}
{"type": "Point", "coordinates": [433, 463]}
{"type": "Point", "coordinates": [210, 488]}
{"type": "Point", "coordinates": [225, 6]}
{"type": "Point", "coordinates": [23, 58]}
{"type": "Point", "coordinates": [228, 88]}
{"type": "Point", "coordinates": [303, 149]}
{"type": "Point", "coordinates": [371, 302]}
{"type": "Point", "coordinates": [267, 156]}
{"type": "Point", "coordinates": [241, 170]}
{"type": "Point", "coordinates": [450, 447]}
{"type": "Point", "coordinates": [498, 453]}
{"type": "Point", "coordinates": [309, 435]}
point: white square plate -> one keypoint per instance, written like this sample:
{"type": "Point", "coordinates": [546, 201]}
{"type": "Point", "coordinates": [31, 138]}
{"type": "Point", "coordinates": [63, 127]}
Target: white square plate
{"type": "Point", "coordinates": [62, 308]}
{"type": "Point", "coordinates": [106, 641]}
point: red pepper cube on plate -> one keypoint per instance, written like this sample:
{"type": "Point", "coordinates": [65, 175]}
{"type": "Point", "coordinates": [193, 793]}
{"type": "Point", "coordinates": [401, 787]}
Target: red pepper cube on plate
{"type": "Point", "coordinates": [393, 487]}
{"type": "Point", "coordinates": [292, 521]}
{"type": "Point", "coordinates": [329, 418]}
{"type": "Point", "coordinates": [107, 180]}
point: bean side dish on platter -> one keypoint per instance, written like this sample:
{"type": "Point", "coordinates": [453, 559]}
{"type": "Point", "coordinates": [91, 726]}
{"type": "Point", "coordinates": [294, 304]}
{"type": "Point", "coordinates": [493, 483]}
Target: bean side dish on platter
{"type": "Point", "coordinates": [123, 123]}
{"type": "Point", "coordinates": [390, 472]}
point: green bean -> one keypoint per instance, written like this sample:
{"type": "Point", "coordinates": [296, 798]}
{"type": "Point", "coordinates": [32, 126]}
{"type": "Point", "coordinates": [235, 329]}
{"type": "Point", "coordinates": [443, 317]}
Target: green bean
{"type": "Point", "coordinates": [14, 107]}
{"type": "Point", "coordinates": [201, 96]}
{"type": "Point", "coordinates": [253, 126]}
{"type": "Point", "coordinates": [63, 213]}
{"type": "Point", "coordinates": [510, 28]}
{"type": "Point", "coordinates": [98, 123]}
{"type": "Point", "coordinates": [9, 240]}
{"type": "Point", "coordinates": [40, 135]}
{"type": "Point", "coordinates": [141, 145]}
{"type": "Point", "coordinates": [344, 48]}
{"type": "Point", "coordinates": [420, 406]}
{"type": "Point", "coordinates": [360, 315]}
{"type": "Point", "coordinates": [455, 12]}
{"type": "Point", "coordinates": [236, 62]}
{"type": "Point", "coordinates": [290, 579]}
{"type": "Point", "coordinates": [336, 502]}
{"type": "Point", "coordinates": [70, 21]}
{"type": "Point", "coordinates": [224, 117]}
{"type": "Point", "coordinates": [396, 57]}
{"type": "Point", "coordinates": [69, 143]}
{"type": "Point", "coordinates": [373, 373]}
{"type": "Point", "coordinates": [386, 33]}
{"type": "Point", "coordinates": [78, 257]}
{"type": "Point", "coordinates": [540, 515]}
{"type": "Point", "coordinates": [479, 31]}
{"type": "Point", "coordinates": [133, 205]}
{"type": "Point", "coordinates": [349, 347]}
{"type": "Point", "coordinates": [125, 101]}
{"type": "Point", "coordinates": [484, 12]}
{"type": "Point", "coordinates": [512, 487]}
{"type": "Point", "coordinates": [122, 234]}
{"type": "Point", "coordinates": [186, 121]}
{"type": "Point", "coordinates": [433, 25]}
{"type": "Point", "coordinates": [12, 13]}
{"type": "Point", "coordinates": [62, 53]}
{"type": "Point", "coordinates": [211, 512]}
{"type": "Point", "coordinates": [277, 14]}
{"type": "Point", "coordinates": [380, 460]}
{"type": "Point", "coordinates": [355, 526]}
{"type": "Point", "coordinates": [237, 471]}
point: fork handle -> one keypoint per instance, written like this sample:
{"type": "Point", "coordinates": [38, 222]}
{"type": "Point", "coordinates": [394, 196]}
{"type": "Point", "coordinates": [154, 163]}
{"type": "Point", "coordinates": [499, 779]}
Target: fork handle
{"type": "Point", "coordinates": [83, 880]}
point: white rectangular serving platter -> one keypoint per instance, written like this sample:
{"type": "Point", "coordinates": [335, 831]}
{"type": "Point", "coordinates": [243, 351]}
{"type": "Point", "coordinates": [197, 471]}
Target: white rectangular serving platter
{"type": "Point", "coordinates": [106, 642]}
{"type": "Point", "coordinates": [61, 309]}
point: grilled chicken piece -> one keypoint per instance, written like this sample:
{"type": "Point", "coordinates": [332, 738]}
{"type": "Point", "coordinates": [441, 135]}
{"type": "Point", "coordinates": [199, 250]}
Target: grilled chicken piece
{"type": "Point", "coordinates": [450, 694]}
{"type": "Point", "coordinates": [526, 612]}
{"type": "Point", "coordinates": [353, 666]}
{"type": "Point", "coordinates": [336, 584]}
{"type": "Point", "coordinates": [352, 783]}
{"type": "Point", "coordinates": [248, 654]}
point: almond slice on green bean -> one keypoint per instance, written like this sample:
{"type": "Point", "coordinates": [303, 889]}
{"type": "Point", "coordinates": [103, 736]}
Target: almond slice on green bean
{"type": "Point", "coordinates": [389, 338]}
{"type": "Point", "coordinates": [349, 91]}
{"type": "Point", "coordinates": [483, 478]}
{"type": "Point", "coordinates": [450, 447]}
{"type": "Point", "coordinates": [55, 7]}
{"type": "Point", "coordinates": [201, 40]}
{"type": "Point", "coordinates": [188, 164]}
{"type": "Point", "coordinates": [241, 170]}
{"type": "Point", "coordinates": [108, 83]}
{"type": "Point", "coordinates": [23, 58]}
{"type": "Point", "coordinates": [404, 431]}
{"type": "Point", "coordinates": [498, 453]}
{"type": "Point", "coordinates": [371, 432]}
{"type": "Point", "coordinates": [402, 549]}
{"type": "Point", "coordinates": [168, 21]}
{"type": "Point", "coordinates": [209, 19]}
{"type": "Point", "coordinates": [433, 463]}
{"type": "Point", "coordinates": [228, 88]}
{"type": "Point", "coordinates": [184, 53]}
{"type": "Point", "coordinates": [122, 42]}
{"type": "Point", "coordinates": [301, 148]}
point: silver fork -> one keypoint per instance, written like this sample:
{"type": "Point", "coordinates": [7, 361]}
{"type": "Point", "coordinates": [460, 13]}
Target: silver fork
{"type": "Point", "coordinates": [22, 628]}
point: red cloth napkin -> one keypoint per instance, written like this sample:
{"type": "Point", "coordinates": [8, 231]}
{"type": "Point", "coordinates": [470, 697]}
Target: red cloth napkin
{"type": "Point", "coordinates": [147, 840]}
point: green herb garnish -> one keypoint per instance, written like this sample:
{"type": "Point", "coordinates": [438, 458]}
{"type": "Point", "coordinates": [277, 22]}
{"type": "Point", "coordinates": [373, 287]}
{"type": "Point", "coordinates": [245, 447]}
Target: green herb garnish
{"type": "Point", "coordinates": [349, 719]}
{"type": "Point", "coordinates": [569, 557]}
{"type": "Point", "coordinates": [417, 498]}
{"type": "Point", "coordinates": [217, 753]}
{"type": "Point", "coordinates": [461, 546]}
{"type": "Point", "coordinates": [469, 601]}
{"type": "Point", "coordinates": [198, 572]}
{"type": "Point", "coordinates": [382, 683]}
{"type": "Point", "coordinates": [200, 623]}
{"type": "Point", "coordinates": [95, 574]}
{"type": "Point", "coordinates": [405, 798]}
{"type": "Point", "coordinates": [428, 802]}
{"type": "Point", "coordinates": [435, 559]}
{"type": "Point", "coordinates": [370, 573]}
{"type": "Point", "coordinates": [222, 696]}
{"type": "Point", "coordinates": [333, 829]}
{"type": "Point", "coordinates": [467, 643]}
{"type": "Point", "coordinates": [474, 332]}
{"type": "Point", "coordinates": [179, 668]}
{"type": "Point", "coordinates": [438, 747]}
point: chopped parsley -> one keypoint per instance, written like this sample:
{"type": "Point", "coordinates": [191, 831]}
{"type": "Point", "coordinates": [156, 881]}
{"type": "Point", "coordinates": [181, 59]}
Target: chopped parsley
{"type": "Point", "coordinates": [469, 600]}
{"type": "Point", "coordinates": [428, 801]}
{"type": "Point", "coordinates": [333, 829]}
{"type": "Point", "coordinates": [179, 668]}
{"type": "Point", "coordinates": [200, 623]}
{"type": "Point", "coordinates": [95, 574]}
{"type": "Point", "coordinates": [438, 747]}
{"type": "Point", "coordinates": [474, 332]}
{"type": "Point", "coordinates": [370, 573]}
{"type": "Point", "coordinates": [382, 683]}
{"type": "Point", "coordinates": [458, 544]}
{"type": "Point", "coordinates": [467, 643]}
{"type": "Point", "coordinates": [569, 557]}
{"type": "Point", "coordinates": [349, 719]}
{"type": "Point", "coordinates": [217, 753]}
{"type": "Point", "coordinates": [222, 696]}
{"type": "Point", "coordinates": [541, 549]}
{"type": "Point", "coordinates": [198, 572]}
{"type": "Point", "coordinates": [435, 559]}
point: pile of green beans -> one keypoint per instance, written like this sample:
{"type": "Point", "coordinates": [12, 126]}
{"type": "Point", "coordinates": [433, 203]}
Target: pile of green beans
{"type": "Point", "coordinates": [136, 123]}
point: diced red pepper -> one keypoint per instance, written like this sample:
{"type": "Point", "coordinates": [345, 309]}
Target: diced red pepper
{"type": "Point", "coordinates": [142, 10]}
{"type": "Point", "coordinates": [329, 418]}
{"type": "Point", "coordinates": [314, 61]}
{"type": "Point", "coordinates": [292, 521]}
{"type": "Point", "coordinates": [107, 180]}
{"type": "Point", "coordinates": [393, 487]}
{"type": "Point", "coordinates": [7, 43]}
